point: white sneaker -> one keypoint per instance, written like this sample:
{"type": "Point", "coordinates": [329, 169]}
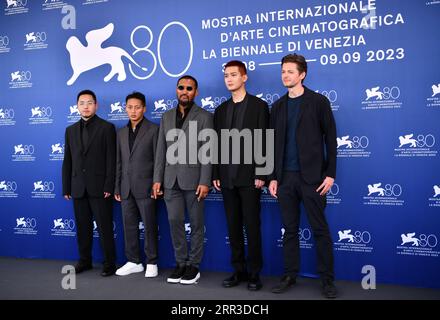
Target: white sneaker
{"type": "Point", "coordinates": [151, 271]}
{"type": "Point", "coordinates": [129, 268]}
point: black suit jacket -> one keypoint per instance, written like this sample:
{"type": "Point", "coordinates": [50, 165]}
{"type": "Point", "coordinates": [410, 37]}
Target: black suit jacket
{"type": "Point", "coordinates": [315, 137]}
{"type": "Point", "coordinates": [135, 168]}
{"type": "Point", "coordinates": [91, 168]}
{"type": "Point", "coordinates": [256, 116]}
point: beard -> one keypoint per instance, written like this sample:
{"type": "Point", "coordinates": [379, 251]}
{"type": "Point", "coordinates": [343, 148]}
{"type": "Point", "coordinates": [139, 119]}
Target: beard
{"type": "Point", "coordinates": [185, 103]}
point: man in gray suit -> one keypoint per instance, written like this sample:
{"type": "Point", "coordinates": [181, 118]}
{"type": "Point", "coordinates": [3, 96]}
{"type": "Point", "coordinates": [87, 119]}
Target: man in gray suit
{"type": "Point", "coordinates": [135, 151]}
{"type": "Point", "coordinates": [185, 181]}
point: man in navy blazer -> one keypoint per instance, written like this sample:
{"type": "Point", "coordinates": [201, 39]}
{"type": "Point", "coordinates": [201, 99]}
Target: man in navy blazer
{"type": "Point", "coordinates": [305, 169]}
{"type": "Point", "coordinates": [135, 152]}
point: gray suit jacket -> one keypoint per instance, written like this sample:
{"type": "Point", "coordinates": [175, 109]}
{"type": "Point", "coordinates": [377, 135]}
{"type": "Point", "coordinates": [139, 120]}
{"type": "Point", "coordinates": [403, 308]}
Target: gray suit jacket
{"type": "Point", "coordinates": [189, 176]}
{"type": "Point", "coordinates": [134, 170]}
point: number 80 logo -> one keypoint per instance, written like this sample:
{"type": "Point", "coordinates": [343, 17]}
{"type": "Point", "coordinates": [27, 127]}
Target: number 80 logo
{"type": "Point", "coordinates": [4, 41]}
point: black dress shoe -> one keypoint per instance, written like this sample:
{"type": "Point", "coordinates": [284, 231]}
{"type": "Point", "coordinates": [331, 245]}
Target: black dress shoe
{"type": "Point", "coordinates": [285, 283]}
{"type": "Point", "coordinates": [108, 271]}
{"type": "Point", "coordinates": [81, 267]}
{"type": "Point", "coordinates": [328, 289]}
{"type": "Point", "coordinates": [254, 283]}
{"type": "Point", "coordinates": [235, 279]}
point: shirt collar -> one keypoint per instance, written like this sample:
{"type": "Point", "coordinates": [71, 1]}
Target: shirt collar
{"type": "Point", "coordinates": [187, 109]}
{"type": "Point", "coordinates": [137, 126]}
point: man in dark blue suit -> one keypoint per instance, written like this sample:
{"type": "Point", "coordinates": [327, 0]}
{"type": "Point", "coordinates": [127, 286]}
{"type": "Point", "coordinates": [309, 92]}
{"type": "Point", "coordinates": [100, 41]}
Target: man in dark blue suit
{"type": "Point", "coordinates": [305, 169]}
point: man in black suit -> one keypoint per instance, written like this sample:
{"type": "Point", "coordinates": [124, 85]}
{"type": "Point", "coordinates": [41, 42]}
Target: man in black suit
{"type": "Point", "coordinates": [89, 178]}
{"type": "Point", "coordinates": [239, 182]}
{"type": "Point", "coordinates": [135, 152]}
{"type": "Point", "coordinates": [305, 169]}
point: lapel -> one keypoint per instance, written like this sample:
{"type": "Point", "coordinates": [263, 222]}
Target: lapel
{"type": "Point", "coordinates": [283, 114]}
{"type": "Point", "coordinates": [77, 135]}
{"type": "Point", "coordinates": [170, 120]}
{"type": "Point", "coordinates": [140, 134]}
{"type": "Point", "coordinates": [304, 103]}
{"type": "Point", "coordinates": [247, 112]}
{"type": "Point", "coordinates": [229, 113]}
{"type": "Point", "coordinates": [125, 148]}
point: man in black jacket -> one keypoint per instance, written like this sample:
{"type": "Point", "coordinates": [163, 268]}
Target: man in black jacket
{"type": "Point", "coordinates": [89, 178]}
{"type": "Point", "coordinates": [305, 169]}
{"type": "Point", "coordinates": [239, 183]}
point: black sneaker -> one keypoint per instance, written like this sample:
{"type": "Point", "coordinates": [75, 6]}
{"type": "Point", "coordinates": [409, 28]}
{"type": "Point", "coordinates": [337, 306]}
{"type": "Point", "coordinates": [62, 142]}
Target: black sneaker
{"type": "Point", "coordinates": [191, 275]}
{"type": "Point", "coordinates": [176, 275]}
{"type": "Point", "coordinates": [328, 289]}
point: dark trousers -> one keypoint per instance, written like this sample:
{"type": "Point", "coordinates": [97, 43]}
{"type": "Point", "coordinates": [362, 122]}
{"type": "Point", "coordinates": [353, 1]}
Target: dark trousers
{"type": "Point", "coordinates": [291, 192]}
{"type": "Point", "coordinates": [85, 209]}
{"type": "Point", "coordinates": [176, 200]}
{"type": "Point", "coordinates": [131, 210]}
{"type": "Point", "coordinates": [242, 206]}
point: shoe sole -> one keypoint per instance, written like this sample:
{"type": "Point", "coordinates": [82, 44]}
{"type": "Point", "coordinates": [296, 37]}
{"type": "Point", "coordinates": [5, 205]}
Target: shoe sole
{"type": "Point", "coordinates": [191, 281]}
{"type": "Point", "coordinates": [151, 275]}
{"type": "Point", "coordinates": [172, 280]}
{"type": "Point", "coordinates": [126, 274]}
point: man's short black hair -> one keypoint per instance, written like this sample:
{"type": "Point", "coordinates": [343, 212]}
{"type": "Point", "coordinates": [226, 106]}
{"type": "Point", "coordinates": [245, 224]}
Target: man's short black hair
{"type": "Point", "coordinates": [136, 95]}
{"type": "Point", "coordinates": [236, 63]}
{"type": "Point", "coordinates": [87, 91]}
{"type": "Point", "coordinates": [187, 76]}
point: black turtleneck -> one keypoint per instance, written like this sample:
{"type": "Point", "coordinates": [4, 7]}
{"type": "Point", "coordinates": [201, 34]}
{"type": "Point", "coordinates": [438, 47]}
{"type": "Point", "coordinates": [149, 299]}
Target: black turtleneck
{"type": "Point", "coordinates": [87, 128]}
